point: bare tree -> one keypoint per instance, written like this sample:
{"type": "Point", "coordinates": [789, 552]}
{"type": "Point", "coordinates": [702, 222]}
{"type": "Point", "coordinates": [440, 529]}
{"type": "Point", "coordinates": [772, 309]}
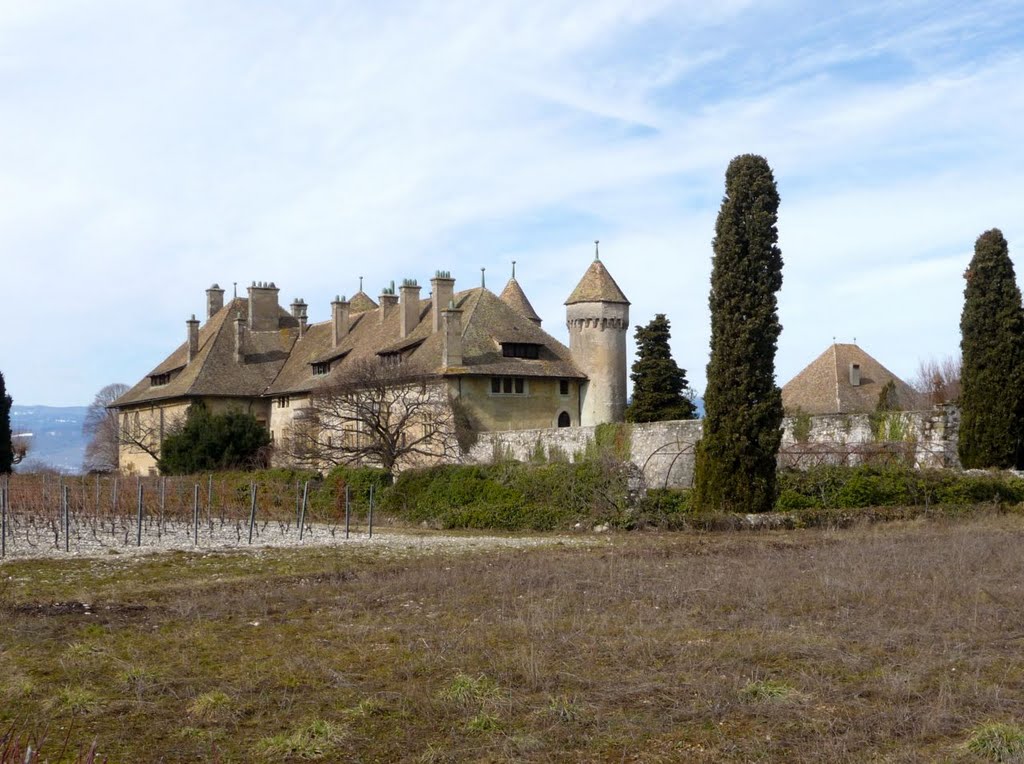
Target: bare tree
{"type": "Point", "coordinates": [21, 445]}
{"type": "Point", "coordinates": [102, 428]}
{"type": "Point", "coordinates": [939, 379]}
{"type": "Point", "coordinates": [382, 414]}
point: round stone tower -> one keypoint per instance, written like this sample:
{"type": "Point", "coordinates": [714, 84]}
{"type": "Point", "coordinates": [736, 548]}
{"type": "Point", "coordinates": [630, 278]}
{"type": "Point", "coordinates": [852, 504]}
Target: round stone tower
{"type": "Point", "coordinates": [597, 314]}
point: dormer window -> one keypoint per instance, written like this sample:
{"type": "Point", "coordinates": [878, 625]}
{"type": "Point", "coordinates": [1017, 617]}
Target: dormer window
{"type": "Point", "coordinates": [156, 380]}
{"type": "Point", "coordinates": [321, 368]}
{"type": "Point", "coordinates": [520, 350]}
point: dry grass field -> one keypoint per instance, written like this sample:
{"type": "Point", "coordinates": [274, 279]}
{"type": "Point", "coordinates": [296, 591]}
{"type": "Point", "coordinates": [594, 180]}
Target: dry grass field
{"type": "Point", "coordinates": [889, 643]}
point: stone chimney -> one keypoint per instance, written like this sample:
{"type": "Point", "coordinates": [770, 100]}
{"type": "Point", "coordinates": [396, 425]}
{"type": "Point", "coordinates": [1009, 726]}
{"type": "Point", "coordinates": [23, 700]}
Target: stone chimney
{"type": "Point", "coordinates": [339, 320]}
{"type": "Point", "coordinates": [855, 374]}
{"type": "Point", "coordinates": [299, 311]}
{"type": "Point", "coordinates": [443, 291]}
{"type": "Point", "coordinates": [193, 337]}
{"type": "Point", "coordinates": [263, 307]}
{"type": "Point", "coordinates": [409, 305]}
{"type": "Point", "coordinates": [214, 300]}
{"type": "Point", "coordinates": [240, 328]}
{"type": "Point", "coordinates": [388, 300]}
{"type": "Point", "coordinates": [451, 340]}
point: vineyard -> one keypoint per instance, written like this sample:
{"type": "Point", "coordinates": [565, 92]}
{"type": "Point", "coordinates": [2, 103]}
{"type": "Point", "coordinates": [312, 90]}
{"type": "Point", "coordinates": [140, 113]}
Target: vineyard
{"type": "Point", "coordinates": [52, 514]}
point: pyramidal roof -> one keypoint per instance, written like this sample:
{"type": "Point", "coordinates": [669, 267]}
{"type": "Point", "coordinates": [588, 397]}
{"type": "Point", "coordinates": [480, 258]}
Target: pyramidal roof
{"type": "Point", "coordinates": [597, 285]}
{"type": "Point", "coordinates": [361, 302]}
{"type": "Point", "coordinates": [825, 386]}
{"type": "Point", "coordinates": [514, 296]}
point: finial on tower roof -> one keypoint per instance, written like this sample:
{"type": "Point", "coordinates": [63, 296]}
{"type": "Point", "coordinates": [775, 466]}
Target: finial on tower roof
{"type": "Point", "coordinates": [513, 269]}
{"type": "Point", "coordinates": [235, 284]}
{"type": "Point", "coordinates": [597, 253]}
{"type": "Point", "coordinates": [360, 283]}
{"type": "Point", "coordinates": [483, 282]}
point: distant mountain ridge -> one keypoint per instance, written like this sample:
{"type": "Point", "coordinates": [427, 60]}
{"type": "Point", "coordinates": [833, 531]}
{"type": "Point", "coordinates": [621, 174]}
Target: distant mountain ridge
{"type": "Point", "coordinates": [55, 433]}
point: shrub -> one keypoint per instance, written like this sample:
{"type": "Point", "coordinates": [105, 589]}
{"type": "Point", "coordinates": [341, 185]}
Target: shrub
{"type": "Point", "coordinates": [511, 496]}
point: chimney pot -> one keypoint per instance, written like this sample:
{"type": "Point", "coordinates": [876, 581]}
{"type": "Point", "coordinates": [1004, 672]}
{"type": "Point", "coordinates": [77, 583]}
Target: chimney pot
{"type": "Point", "coordinates": [410, 307]}
{"type": "Point", "coordinates": [451, 338]}
{"type": "Point", "coordinates": [193, 337]}
{"type": "Point", "coordinates": [443, 292]}
{"type": "Point", "coordinates": [214, 300]}
{"type": "Point", "coordinates": [339, 320]}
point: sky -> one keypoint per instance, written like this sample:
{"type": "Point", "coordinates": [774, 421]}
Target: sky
{"type": "Point", "coordinates": [149, 148]}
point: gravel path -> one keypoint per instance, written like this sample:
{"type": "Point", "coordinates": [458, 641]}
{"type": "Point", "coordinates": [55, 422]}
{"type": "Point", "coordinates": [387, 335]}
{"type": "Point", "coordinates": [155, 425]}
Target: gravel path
{"type": "Point", "coordinates": [87, 542]}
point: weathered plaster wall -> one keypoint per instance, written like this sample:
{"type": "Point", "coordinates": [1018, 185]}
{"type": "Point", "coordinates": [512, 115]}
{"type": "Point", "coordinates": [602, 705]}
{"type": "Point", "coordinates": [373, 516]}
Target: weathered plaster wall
{"type": "Point", "coordinates": [664, 451]}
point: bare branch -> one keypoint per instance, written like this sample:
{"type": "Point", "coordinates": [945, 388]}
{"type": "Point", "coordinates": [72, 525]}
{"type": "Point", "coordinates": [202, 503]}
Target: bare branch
{"type": "Point", "coordinates": [939, 380]}
{"type": "Point", "coordinates": [381, 414]}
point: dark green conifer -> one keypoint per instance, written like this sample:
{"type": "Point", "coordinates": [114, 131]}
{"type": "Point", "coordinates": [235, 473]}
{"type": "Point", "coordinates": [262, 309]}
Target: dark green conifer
{"type": "Point", "coordinates": [659, 385]}
{"type": "Point", "coordinates": [232, 440]}
{"type": "Point", "coordinates": [6, 447]}
{"type": "Point", "coordinates": [992, 344]}
{"type": "Point", "coordinates": [735, 465]}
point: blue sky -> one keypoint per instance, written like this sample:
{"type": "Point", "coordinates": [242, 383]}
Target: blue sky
{"type": "Point", "coordinates": [152, 148]}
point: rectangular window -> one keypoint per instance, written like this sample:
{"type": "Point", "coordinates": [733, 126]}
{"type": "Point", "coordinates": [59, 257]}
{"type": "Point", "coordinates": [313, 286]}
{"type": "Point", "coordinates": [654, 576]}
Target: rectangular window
{"type": "Point", "coordinates": [160, 379]}
{"type": "Point", "coordinates": [319, 369]}
{"type": "Point", "coordinates": [563, 387]}
{"type": "Point", "coordinates": [508, 386]}
{"type": "Point", "coordinates": [520, 350]}
{"type": "Point", "coordinates": [283, 402]}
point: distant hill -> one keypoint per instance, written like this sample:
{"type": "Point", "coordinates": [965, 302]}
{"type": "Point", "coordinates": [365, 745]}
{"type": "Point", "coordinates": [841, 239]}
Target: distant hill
{"type": "Point", "coordinates": [55, 433]}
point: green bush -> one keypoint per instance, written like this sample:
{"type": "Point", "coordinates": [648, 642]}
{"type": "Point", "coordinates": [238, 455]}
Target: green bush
{"type": "Point", "coordinates": [511, 496]}
{"type": "Point", "coordinates": [664, 508]}
{"type": "Point", "coordinates": [837, 487]}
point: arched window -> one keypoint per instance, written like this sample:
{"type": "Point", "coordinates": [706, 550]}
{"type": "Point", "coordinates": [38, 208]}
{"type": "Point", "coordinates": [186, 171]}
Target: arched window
{"type": "Point", "coordinates": [563, 419]}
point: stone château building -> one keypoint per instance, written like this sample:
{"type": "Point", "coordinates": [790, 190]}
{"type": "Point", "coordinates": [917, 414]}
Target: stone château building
{"type": "Point", "coordinates": [489, 351]}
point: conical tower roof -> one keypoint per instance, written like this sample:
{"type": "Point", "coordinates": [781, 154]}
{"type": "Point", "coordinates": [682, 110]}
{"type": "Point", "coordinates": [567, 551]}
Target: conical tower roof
{"type": "Point", "coordinates": [514, 296]}
{"type": "Point", "coordinates": [597, 285]}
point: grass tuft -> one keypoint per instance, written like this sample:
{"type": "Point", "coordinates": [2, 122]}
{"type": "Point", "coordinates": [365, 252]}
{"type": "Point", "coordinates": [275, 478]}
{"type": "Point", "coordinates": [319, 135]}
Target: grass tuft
{"type": "Point", "coordinates": [767, 690]}
{"type": "Point", "coordinates": [465, 690]}
{"type": "Point", "coordinates": [211, 706]}
{"type": "Point", "coordinates": [316, 740]}
{"type": "Point", "coordinates": [998, 741]}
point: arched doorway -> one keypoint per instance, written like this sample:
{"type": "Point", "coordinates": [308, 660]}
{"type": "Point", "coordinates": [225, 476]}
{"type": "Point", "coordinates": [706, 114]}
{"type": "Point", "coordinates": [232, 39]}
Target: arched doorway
{"type": "Point", "coordinates": [563, 419]}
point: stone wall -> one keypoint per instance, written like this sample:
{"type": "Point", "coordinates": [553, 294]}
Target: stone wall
{"type": "Point", "coordinates": [664, 451]}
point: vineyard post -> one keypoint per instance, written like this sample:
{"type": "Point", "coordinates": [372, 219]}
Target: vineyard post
{"type": "Point", "coordinates": [163, 499]}
{"type": "Point", "coordinates": [138, 526]}
{"type": "Point", "coordinates": [298, 501]}
{"type": "Point", "coordinates": [371, 511]}
{"type": "Point", "coordinates": [3, 515]}
{"type": "Point", "coordinates": [347, 510]}
{"type": "Point", "coordinates": [113, 497]}
{"type": "Point", "coordinates": [252, 510]}
{"type": "Point", "coordinates": [302, 511]}
{"type": "Point", "coordinates": [65, 490]}
{"type": "Point", "coordinates": [97, 495]}
{"type": "Point", "coordinates": [195, 515]}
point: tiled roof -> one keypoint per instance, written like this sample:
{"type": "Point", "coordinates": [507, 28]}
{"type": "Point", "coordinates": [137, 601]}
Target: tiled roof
{"type": "Point", "coordinates": [214, 371]}
{"type": "Point", "coordinates": [597, 285]}
{"type": "Point", "coordinates": [515, 298]}
{"type": "Point", "coordinates": [360, 302]}
{"type": "Point", "coordinates": [485, 319]}
{"type": "Point", "coordinates": [824, 387]}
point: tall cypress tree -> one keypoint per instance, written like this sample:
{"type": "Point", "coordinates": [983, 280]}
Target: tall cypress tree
{"type": "Point", "coordinates": [735, 464]}
{"type": "Point", "coordinates": [659, 385]}
{"type": "Point", "coordinates": [6, 447]}
{"type": "Point", "coordinates": [992, 344]}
